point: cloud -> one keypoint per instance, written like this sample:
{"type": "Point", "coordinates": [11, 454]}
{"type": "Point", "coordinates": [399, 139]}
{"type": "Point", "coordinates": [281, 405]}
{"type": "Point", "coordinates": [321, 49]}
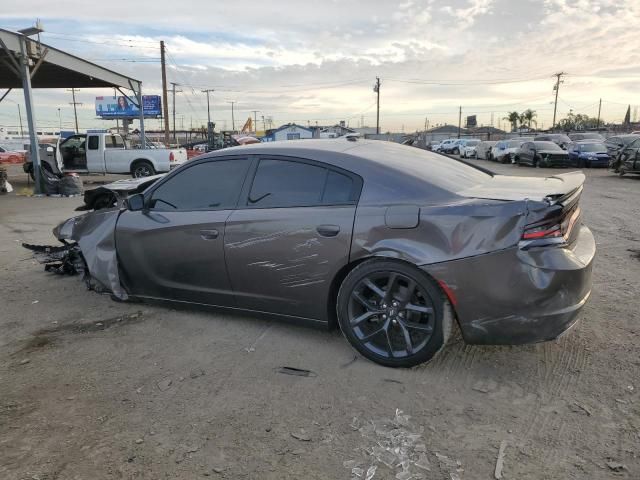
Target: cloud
{"type": "Point", "coordinates": [298, 61]}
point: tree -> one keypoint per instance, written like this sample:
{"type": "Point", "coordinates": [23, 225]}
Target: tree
{"type": "Point", "coordinates": [578, 122]}
{"type": "Point", "coordinates": [513, 118]}
{"type": "Point", "coordinates": [528, 117]}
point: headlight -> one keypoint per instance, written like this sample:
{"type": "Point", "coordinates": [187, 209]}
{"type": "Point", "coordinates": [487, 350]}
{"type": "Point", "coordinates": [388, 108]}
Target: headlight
{"type": "Point", "coordinates": [64, 231]}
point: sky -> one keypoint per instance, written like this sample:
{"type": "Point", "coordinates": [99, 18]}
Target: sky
{"type": "Point", "coordinates": [308, 62]}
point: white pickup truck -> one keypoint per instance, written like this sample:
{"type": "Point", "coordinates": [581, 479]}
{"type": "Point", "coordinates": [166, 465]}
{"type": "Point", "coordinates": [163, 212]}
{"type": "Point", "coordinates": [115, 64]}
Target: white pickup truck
{"type": "Point", "coordinates": [105, 153]}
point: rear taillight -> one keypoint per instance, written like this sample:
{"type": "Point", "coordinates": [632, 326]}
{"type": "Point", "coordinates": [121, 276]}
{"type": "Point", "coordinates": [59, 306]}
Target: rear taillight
{"type": "Point", "coordinates": [172, 157]}
{"type": "Point", "coordinates": [558, 227]}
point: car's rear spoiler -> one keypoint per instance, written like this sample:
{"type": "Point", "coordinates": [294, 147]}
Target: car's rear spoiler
{"type": "Point", "coordinates": [572, 183]}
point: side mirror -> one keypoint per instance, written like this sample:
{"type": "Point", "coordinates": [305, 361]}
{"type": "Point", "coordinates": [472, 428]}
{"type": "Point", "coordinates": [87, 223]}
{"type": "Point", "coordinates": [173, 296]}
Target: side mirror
{"type": "Point", "coordinates": [49, 149]}
{"type": "Point", "coordinates": [135, 202]}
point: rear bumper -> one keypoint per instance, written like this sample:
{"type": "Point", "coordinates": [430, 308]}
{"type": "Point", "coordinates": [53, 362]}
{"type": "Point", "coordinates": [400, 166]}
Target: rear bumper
{"type": "Point", "coordinates": [520, 296]}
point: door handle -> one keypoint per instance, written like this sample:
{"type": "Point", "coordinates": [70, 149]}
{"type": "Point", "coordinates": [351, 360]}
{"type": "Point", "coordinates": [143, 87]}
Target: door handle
{"type": "Point", "coordinates": [209, 234]}
{"type": "Point", "coordinates": [328, 230]}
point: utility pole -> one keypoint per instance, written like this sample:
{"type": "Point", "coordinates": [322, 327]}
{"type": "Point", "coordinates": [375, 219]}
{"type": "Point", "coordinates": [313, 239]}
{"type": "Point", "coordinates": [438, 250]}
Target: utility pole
{"type": "Point", "coordinates": [165, 101]}
{"type": "Point", "coordinates": [233, 118]}
{"type": "Point", "coordinates": [599, 108]}
{"type": "Point", "coordinates": [59, 122]}
{"type": "Point", "coordinates": [255, 120]}
{"type": "Point", "coordinates": [74, 103]}
{"type": "Point", "coordinates": [117, 120]}
{"type": "Point", "coordinates": [376, 88]}
{"type": "Point", "coordinates": [173, 90]}
{"type": "Point", "coordinates": [209, 125]}
{"type": "Point", "coordinates": [556, 88]}
{"type": "Point", "coordinates": [20, 119]}
{"type": "Point", "coordinates": [264, 126]}
{"type": "Point", "coordinates": [459, 120]}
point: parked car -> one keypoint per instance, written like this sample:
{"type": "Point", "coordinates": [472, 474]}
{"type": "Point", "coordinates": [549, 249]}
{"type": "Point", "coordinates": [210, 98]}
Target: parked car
{"type": "Point", "coordinates": [483, 149]}
{"type": "Point", "coordinates": [467, 147]}
{"type": "Point", "coordinates": [559, 139]}
{"type": "Point", "coordinates": [449, 145]}
{"type": "Point", "coordinates": [542, 154]}
{"type": "Point", "coordinates": [579, 136]}
{"type": "Point", "coordinates": [9, 156]}
{"type": "Point", "coordinates": [628, 159]}
{"type": "Point", "coordinates": [504, 151]}
{"type": "Point", "coordinates": [114, 194]}
{"type": "Point", "coordinates": [433, 145]}
{"type": "Point", "coordinates": [105, 153]}
{"type": "Point", "coordinates": [617, 143]}
{"type": "Point", "coordinates": [392, 243]}
{"type": "Point", "coordinates": [588, 154]}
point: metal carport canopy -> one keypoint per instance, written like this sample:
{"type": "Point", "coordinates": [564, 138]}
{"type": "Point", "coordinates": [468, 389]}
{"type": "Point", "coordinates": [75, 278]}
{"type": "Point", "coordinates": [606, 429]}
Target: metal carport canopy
{"type": "Point", "coordinates": [26, 63]}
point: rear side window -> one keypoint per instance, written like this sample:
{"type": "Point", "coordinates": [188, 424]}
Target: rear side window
{"type": "Point", "coordinates": [205, 186]}
{"type": "Point", "coordinates": [284, 183]}
{"type": "Point", "coordinates": [93, 142]}
{"type": "Point", "coordinates": [338, 189]}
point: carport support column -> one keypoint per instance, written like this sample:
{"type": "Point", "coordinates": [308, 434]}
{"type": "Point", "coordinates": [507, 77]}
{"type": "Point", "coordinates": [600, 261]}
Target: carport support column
{"type": "Point", "coordinates": [143, 138]}
{"type": "Point", "coordinates": [31, 121]}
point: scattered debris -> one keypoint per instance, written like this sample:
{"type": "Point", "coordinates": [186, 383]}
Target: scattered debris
{"type": "Point", "coordinates": [218, 469]}
{"type": "Point", "coordinates": [485, 386]}
{"type": "Point", "coordinates": [139, 441]}
{"type": "Point", "coordinates": [500, 462]}
{"type": "Point", "coordinates": [371, 471]}
{"type": "Point", "coordinates": [616, 466]}
{"type": "Point", "coordinates": [578, 408]}
{"type": "Point", "coordinates": [196, 373]}
{"type": "Point", "coordinates": [634, 253]}
{"type": "Point", "coordinates": [630, 388]}
{"type": "Point", "coordinates": [252, 347]}
{"type": "Point", "coordinates": [619, 400]}
{"type": "Point", "coordinates": [25, 361]}
{"type": "Point", "coordinates": [350, 362]}
{"type": "Point", "coordinates": [399, 449]}
{"type": "Point", "coordinates": [164, 384]}
{"type": "Point", "coordinates": [391, 380]}
{"type": "Point", "coordinates": [299, 372]}
{"type": "Point", "coordinates": [301, 435]}
{"type": "Point", "coordinates": [35, 301]}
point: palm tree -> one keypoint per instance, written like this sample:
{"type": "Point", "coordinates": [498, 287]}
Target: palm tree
{"type": "Point", "coordinates": [513, 118]}
{"type": "Point", "coordinates": [529, 116]}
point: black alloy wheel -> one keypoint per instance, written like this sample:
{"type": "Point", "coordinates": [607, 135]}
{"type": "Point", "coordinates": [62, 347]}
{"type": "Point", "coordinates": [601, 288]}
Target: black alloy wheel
{"type": "Point", "coordinates": [393, 313]}
{"type": "Point", "coordinates": [142, 169]}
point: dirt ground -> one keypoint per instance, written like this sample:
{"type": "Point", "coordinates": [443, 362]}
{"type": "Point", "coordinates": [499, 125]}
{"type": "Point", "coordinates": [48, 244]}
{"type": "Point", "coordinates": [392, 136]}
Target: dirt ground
{"type": "Point", "coordinates": [93, 389]}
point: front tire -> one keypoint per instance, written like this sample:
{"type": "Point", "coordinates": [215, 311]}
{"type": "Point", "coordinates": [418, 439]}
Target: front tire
{"type": "Point", "coordinates": [142, 168]}
{"type": "Point", "coordinates": [393, 313]}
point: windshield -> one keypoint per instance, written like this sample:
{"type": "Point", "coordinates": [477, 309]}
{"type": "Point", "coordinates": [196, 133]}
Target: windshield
{"type": "Point", "coordinates": [514, 143]}
{"type": "Point", "coordinates": [547, 146]}
{"type": "Point", "coordinates": [593, 147]}
{"type": "Point", "coordinates": [629, 139]}
{"type": "Point", "coordinates": [472, 143]}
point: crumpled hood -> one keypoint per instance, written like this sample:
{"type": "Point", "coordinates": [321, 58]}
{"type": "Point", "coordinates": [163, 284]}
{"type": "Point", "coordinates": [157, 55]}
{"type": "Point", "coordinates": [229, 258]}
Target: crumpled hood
{"type": "Point", "coordinates": [504, 187]}
{"type": "Point", "coordinates": [94, 232]}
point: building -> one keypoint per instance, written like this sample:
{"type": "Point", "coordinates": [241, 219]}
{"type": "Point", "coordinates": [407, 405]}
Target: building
{"type": "Point", "coordinates": [290, 131]}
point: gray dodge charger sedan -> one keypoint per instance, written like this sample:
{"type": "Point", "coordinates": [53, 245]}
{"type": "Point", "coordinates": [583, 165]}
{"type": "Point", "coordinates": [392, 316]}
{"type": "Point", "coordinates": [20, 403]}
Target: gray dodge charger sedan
{"type": "Point", "coordinates": [392, 243]}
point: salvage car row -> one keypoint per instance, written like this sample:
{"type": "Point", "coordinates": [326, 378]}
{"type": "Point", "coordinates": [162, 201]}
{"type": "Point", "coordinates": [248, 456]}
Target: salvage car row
{"type": "Point", "coordinates": [588, 149]}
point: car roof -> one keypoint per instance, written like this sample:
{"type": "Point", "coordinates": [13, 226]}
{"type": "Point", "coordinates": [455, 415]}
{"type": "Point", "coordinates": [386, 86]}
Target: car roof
{"type": "Point", "coordinates": [396, 171]}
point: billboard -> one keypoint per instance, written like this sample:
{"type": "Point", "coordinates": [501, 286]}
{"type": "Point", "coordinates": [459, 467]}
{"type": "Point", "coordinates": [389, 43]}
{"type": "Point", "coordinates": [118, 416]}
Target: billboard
{"type": "Point", "coordinates": [123, 107]}
{"type": "Point", "coordinates": [472, 121]}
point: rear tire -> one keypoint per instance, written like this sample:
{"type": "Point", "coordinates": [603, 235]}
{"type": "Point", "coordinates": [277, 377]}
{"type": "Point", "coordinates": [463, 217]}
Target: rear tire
{"type": "Point", "coordinates": [393, 313]}
{"type": "Point", "coordinates": [142, 168]}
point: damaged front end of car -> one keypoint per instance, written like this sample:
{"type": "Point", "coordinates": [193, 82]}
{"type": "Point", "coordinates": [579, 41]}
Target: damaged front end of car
{"type": "Point", "coordinates": [88, 248]}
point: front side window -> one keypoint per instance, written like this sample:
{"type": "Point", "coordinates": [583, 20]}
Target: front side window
{"type": "Point", "coordinates": [285, 183]}
{"type": "Point", "coordinates": [213, 185]}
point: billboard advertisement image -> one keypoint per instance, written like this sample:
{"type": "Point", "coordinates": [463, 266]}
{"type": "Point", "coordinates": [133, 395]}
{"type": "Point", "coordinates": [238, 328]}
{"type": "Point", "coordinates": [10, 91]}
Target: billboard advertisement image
{"type": "Point", "coordinates": [122, 107]}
